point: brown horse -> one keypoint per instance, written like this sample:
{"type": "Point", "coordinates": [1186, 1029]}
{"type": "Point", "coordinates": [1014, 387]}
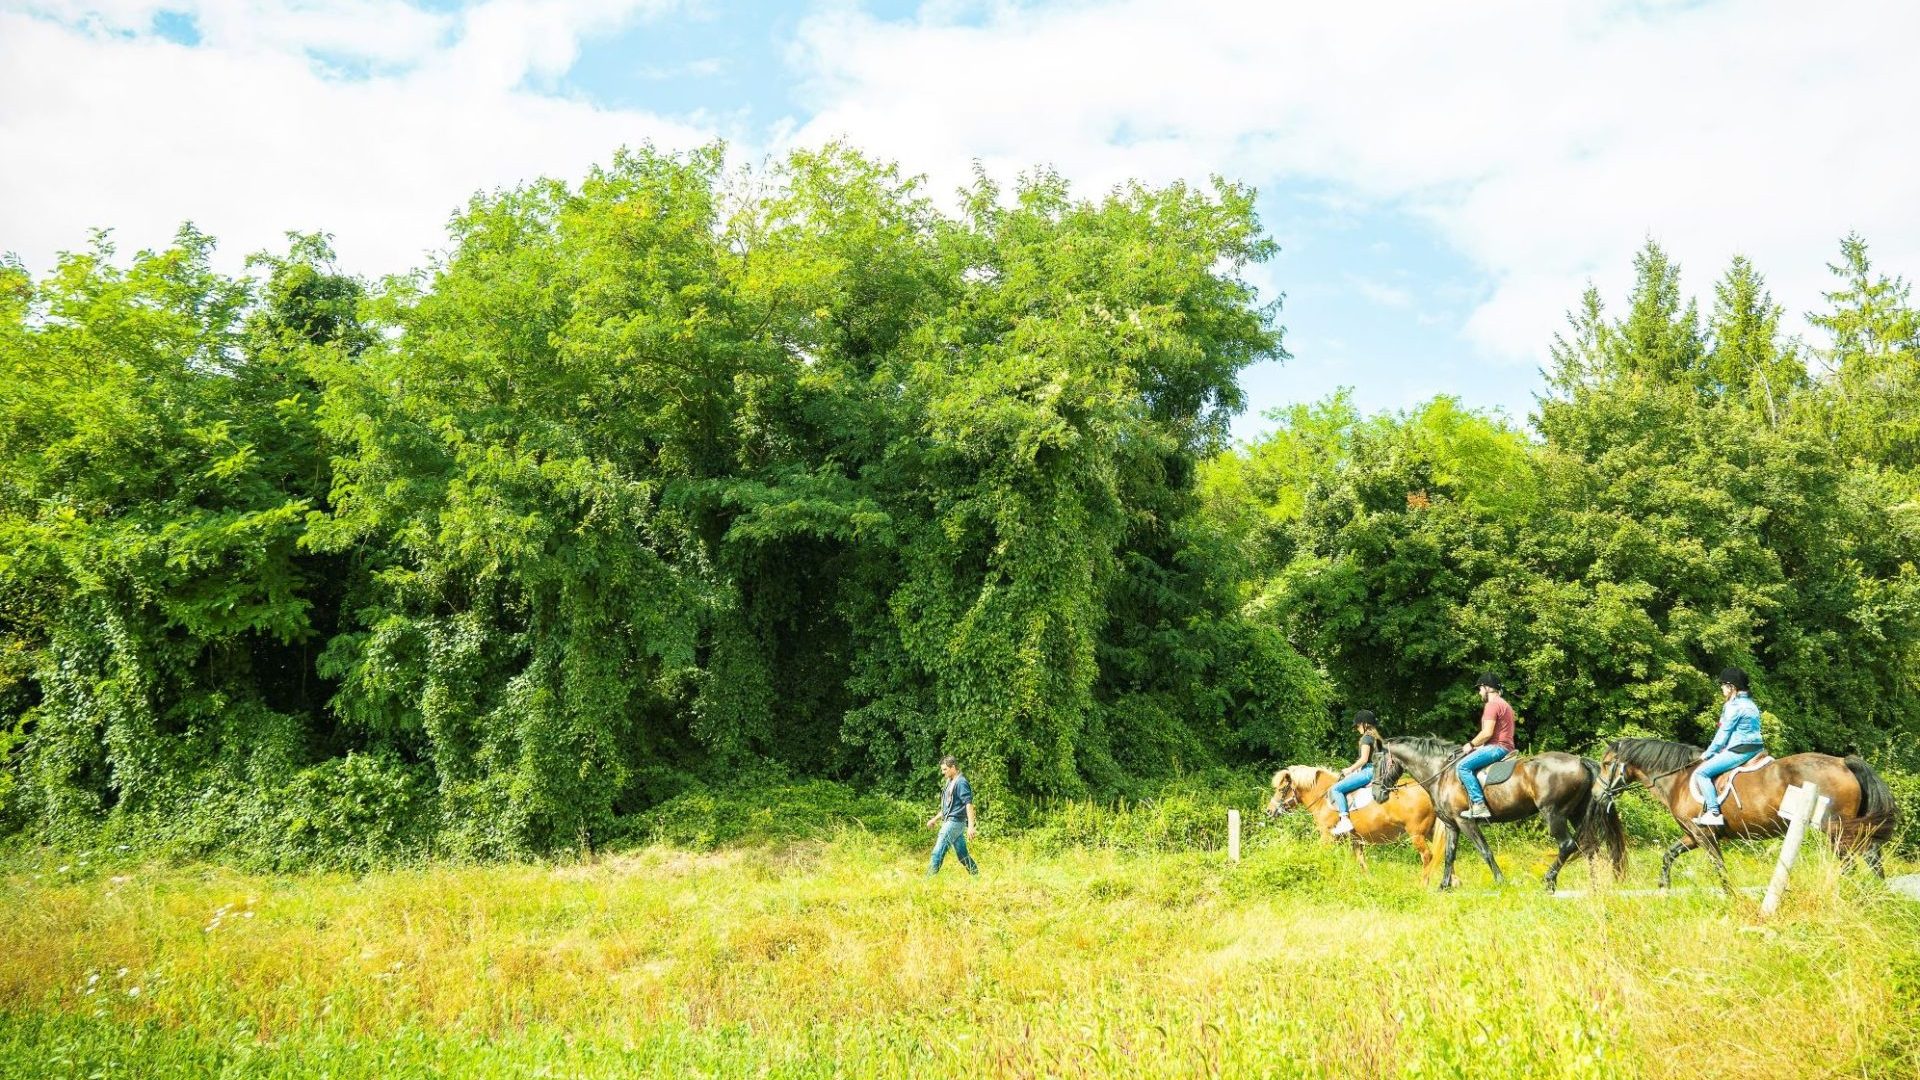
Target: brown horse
{"type": "Point", "coordinates": [1405, 810]}
{"type": "Point", "coordinates": [1861, 818]}
{"type": "Point", "coordinates": [1562, 788]}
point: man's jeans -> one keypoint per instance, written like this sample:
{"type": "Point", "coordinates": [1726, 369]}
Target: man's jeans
{"type": "Point", "coordinates": [953, 834]}
{"type": "Point", "coordinates": [1352, 783]}
{"type": "Point", "coordinates": [1704, 775]}
{"type": "Point", "coordinates": [1474, 762]}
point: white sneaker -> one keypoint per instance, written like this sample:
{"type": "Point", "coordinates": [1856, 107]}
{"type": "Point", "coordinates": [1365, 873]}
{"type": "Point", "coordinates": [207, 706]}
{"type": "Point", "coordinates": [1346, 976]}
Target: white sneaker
{"type": "Point", "coordinates": [1710, 818]}
{"type": "Point", "coordinates": [1344, 827]}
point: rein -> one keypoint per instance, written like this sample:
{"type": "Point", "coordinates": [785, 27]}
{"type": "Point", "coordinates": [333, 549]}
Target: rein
{"type": "Point", "coordinates": [1315, 801]}
{"type": "Point", "coordinates": [1625, 783]}
{"type": "Point", "coordinates": [1437, 774]}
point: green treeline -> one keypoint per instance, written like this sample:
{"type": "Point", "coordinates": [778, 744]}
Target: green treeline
{"type": "Point", "coordinates": [683, 474]}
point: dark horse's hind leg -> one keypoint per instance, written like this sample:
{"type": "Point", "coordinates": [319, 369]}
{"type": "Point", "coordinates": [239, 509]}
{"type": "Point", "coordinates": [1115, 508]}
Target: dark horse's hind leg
{"type": "Point", "coordinates": [1873, 860]}
{"type": "Point", "coordinates": [1675, 850]}
{"type": "Point", "coordinates": [1562, 832]}
{"type": "Point", "coordinates": [1486, 852]}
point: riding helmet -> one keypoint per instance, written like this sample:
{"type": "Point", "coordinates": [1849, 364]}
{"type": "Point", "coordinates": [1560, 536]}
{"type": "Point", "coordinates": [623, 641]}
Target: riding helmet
{"type": "Point", "coordinates": [1735, 678]}
{"type": "Point", "coordinates": [1488, 680]}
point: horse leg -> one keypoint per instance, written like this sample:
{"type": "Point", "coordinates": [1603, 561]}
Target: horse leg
{"type": "Point", "coordinates": [1426, 856]}
{"type": "Point", "coordinates": [1486, 850]}
{"type": "Point", "coordinates": [1452, 849]}
{"type": "Point", "coordinates": [1873, 860]}
{"type": "Point", "coordinates": [1678, 848]}
{"type": "Point", "coordinates": [1562, 833]}
{"type": "Point", "coordinates": [1712, 845]}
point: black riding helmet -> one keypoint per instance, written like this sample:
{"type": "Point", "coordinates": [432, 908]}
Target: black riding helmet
{"type": "Point", "coordinates": [1364, 718]}
{"type": "Point", "coordinates": [1735, 678]}
{"type": "Point", "coordinates": [1488, 680]}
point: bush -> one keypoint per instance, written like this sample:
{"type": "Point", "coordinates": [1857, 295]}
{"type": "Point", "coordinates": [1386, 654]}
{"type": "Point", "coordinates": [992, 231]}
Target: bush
{"type": "Point", "coordinates": [705, 818]}
{"type": "Point", "coordinates": [355, 812]}
{"type": "Point", "coordinates": [1906, 796]}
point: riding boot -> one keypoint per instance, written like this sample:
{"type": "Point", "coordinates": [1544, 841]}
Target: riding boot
{"type": "Point", "coordinates": [1478, 811]}
{"type": "Point", "coordinates": [1344, 826]}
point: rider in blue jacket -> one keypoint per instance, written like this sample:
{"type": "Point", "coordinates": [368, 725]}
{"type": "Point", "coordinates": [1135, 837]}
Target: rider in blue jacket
{"type": "Point", "coordinates": [1736, 742]}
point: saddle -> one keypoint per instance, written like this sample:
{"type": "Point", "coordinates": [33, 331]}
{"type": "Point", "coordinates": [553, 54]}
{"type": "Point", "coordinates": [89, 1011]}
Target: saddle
{"type": "Point", "coordinates": [1724, 782]}
{"type": "Point", "coordinates": [1499, 772]}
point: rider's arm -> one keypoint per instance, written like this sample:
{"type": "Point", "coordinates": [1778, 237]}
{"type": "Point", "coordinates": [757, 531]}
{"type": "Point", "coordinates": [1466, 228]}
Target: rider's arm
{"type": "Point", "coordinates": [1486, 729]}
{"type": "Point", "coordinates": [1366, 754]}
{"type": "Point", "coordinates": [1721, 735]}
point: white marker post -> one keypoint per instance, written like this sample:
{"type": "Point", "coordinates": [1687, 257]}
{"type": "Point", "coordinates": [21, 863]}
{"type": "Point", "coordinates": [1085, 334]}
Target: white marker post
{"type": "Point", "coordinates": [1804, 807]}
{"type": "Point", "coordinates": [1233, 836]}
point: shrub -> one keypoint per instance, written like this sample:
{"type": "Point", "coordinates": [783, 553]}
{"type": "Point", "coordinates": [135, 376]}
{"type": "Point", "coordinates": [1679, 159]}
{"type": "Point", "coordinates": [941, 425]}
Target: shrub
{"type": "Point", "coordinates": [705, 818]}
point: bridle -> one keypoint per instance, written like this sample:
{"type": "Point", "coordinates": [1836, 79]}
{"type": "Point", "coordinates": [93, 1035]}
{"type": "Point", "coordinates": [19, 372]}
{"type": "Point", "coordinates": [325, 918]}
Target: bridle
{"type": "Point", "coordinates": [1408, 769]}
{"type": "Point", "coordinates": [1622, 783]}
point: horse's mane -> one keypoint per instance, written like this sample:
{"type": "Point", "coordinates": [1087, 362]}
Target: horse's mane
{"type": "Point", "coordinates": [1654, 755]}
{"type": "Point", "coordinates": [1428, 744]}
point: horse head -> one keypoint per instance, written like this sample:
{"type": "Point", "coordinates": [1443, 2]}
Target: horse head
{"type": "Point", "coordinates": [1385, 776]}
{"type": "Point", "coordinates": [1614, 778]}
{"type": "Point", "coordinates": [1285, 797]}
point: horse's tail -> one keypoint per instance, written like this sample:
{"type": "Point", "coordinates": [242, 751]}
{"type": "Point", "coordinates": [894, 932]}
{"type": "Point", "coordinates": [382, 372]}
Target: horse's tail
{"type": "Point", "coordinates": [1600, 821]}
{"type": "Point", "coordinates": [1879, 814]}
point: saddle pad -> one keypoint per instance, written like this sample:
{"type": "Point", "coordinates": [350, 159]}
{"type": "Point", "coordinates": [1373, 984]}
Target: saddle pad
{"type": "Point", "coordinates": [1724, 782]}
{"type": "Point", "coordinates": [1358, 799]}
{"type": "Point", "coordinates": [1499, 772]}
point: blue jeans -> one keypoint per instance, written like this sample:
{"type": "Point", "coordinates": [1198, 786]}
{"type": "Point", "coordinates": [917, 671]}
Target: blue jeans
{"type": "Point", "coordinates": [1703, 776]}
{"type": "Point", "coordinates": [1474, 762]}
{"type": "Point", "coordinates": [953, 834]}
{"type": "Point", "coordinates": [1352, 783]}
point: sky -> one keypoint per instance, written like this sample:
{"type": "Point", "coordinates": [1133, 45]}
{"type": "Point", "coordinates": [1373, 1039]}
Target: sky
{"type": "Point", "coordinates": [1443, 179]}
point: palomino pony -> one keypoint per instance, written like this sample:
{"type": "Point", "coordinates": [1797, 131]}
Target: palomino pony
{"type": "Point", "coordinates": [1406, 810]}
{"type": "Point", "coordinates": [1561, 788]}
{"type": "Point", "coordinates": [1861, 818]}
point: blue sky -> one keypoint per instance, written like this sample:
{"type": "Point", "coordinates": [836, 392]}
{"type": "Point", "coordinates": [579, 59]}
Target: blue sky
{"type": "Point", "coordinates": [1443, 179]}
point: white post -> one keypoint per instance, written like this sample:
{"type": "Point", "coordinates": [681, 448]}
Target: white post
{"type": "Point", "coordinates": [1802, 806]}
{"type": "Point", "coordinates": [1233, 835]}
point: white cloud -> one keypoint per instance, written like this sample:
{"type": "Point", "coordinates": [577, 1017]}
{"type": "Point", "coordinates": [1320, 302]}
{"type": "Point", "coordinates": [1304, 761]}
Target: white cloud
{"type": "Point", "coordinates": [249, 133]}
{"type": "Point", "coordinates": [1381, 293]}
{"type": "Point", "coordinates": [1545, 141]}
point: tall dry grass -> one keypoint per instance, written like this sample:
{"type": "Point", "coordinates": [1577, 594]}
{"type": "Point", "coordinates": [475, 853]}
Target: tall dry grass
{"type": "Point", "coordinates": [836, 958]}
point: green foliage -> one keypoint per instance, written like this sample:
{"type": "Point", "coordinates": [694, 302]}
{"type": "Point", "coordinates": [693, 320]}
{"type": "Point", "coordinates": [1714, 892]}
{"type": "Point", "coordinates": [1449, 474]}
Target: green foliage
{"type": "Point", "coordinates": [663, 483]}
{"type": "Point", "coordinates": [646, 480]}
{"type": "Point", "coordinates": [1688, 506]}
{"type": "Point", "coordinates": [770, 814]}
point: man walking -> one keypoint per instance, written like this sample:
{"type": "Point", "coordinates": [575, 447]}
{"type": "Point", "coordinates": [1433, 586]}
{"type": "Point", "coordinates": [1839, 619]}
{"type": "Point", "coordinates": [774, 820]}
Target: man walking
{"type": "Point", "coordinates": [955, 819]}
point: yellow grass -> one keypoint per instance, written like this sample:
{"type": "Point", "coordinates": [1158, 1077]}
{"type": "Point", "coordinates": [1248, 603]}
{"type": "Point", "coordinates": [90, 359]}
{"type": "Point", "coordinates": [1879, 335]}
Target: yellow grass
{"type": "Point", "coordinates": [837, 958]}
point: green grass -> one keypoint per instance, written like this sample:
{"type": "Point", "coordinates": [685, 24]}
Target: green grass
{"type": "Point", "coordinates": [833, 957]}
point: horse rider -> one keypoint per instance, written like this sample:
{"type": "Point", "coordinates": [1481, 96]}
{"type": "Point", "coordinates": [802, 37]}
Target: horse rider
{"type": "Point", "coordinates": [1360, 773]}
{"type": "Point", "coordinates": [1493, 742]}
{"type": "Point", "coordinates": [1736, 742]}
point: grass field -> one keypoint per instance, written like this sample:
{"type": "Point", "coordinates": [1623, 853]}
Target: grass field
{"type": "Point", "coordinates": [834, 957]}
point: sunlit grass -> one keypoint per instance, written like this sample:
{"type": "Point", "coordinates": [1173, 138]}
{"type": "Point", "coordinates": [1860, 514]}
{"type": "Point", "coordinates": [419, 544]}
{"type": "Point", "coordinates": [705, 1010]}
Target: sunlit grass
{"type": "Point", "coordinates": [836, 957]}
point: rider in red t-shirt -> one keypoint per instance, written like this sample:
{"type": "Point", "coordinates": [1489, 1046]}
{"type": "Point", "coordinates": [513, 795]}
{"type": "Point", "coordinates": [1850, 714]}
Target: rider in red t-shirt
{"type": "Point", "coordinates": [1493, 742]}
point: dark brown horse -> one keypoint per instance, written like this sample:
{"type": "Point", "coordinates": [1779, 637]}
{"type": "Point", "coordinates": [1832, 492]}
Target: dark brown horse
{"type": "Point", "coordinates": [1562, 788]}
{"type": "Point", "coordinates": [1861, 818]}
